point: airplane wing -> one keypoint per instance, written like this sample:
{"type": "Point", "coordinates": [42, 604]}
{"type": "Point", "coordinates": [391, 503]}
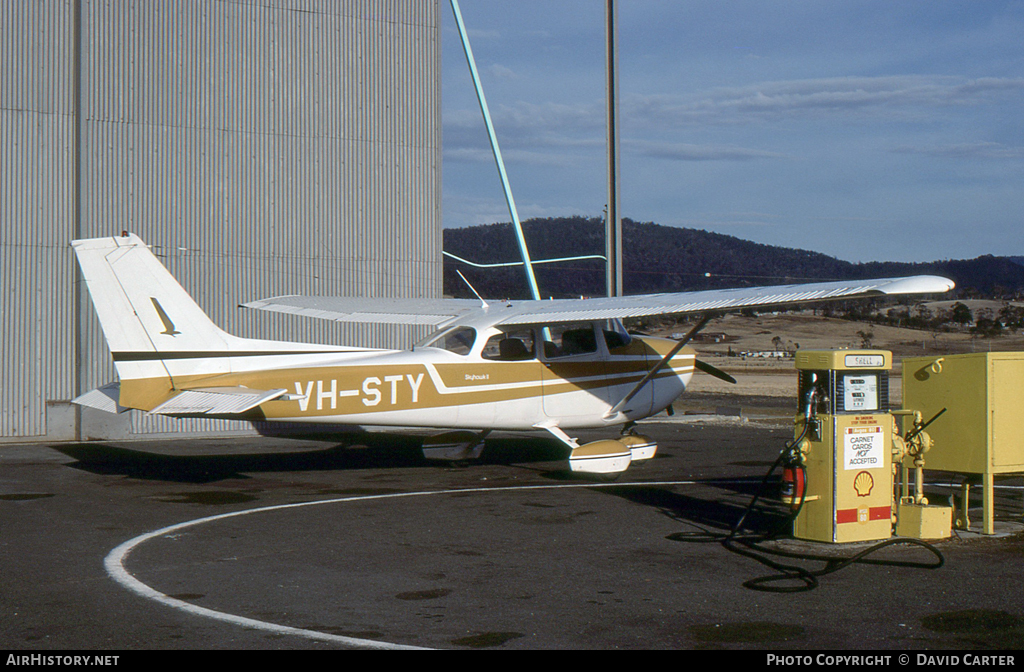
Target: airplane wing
{"type": "Point", "coordinates": [439, 312]}
{"type": "Point", "coordinates": [434, 312]}
{"type": "Point", "coordinates": [711, 300]}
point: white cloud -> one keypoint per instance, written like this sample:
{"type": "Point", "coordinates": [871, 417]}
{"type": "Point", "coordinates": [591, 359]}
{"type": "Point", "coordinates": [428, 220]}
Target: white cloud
{"type": "Point", "coordinates": [840, 96]}
{"type": "Point", "coordinates": [688, 152]}
{"type": "Point", "coordinates": [503, 72]}
{"type": "Point", "coordinates": [976, 150]}
{"type": "Point", "coordinates": [462, 210]}
{"type": "Point", "coordinates": [479, 155]}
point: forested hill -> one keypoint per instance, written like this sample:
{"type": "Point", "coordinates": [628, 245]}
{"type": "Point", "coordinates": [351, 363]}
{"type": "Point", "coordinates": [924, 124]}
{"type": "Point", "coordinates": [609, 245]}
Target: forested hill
{"type": "Point", "coordinates": [664, 259]}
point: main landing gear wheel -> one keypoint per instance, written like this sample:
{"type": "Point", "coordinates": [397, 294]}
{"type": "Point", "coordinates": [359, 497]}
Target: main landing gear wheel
{"type": "Point", "coordinates": [608, 458]}
{"type": "Point", "coordinates": [640, 447]}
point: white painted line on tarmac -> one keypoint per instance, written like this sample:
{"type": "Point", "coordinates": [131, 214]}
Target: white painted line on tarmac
{"type": "Point", "coordinates": [114, 562]}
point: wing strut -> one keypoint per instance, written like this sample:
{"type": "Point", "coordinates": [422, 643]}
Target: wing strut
{"type": "Point", "coordinates": [520, 238]}
{"type": "Point", "coordinates": [660, 365]}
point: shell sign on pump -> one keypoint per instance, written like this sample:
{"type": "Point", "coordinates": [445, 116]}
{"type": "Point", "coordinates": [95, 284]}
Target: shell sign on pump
{"type": "Point", "coordinates": [863, 484]}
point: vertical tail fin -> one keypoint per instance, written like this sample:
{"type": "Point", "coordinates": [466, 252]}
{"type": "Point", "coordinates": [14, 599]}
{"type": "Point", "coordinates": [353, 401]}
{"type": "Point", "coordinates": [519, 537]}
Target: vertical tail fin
{"type": "Point", "coordinates": [141, 307]}
{"type": "Point", "coordinates": [161, 340]}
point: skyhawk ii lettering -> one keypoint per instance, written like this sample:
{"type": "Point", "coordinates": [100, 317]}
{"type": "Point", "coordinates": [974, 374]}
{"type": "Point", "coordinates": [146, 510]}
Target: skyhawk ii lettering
{"type": "Point", "coordinates": [552, 366]}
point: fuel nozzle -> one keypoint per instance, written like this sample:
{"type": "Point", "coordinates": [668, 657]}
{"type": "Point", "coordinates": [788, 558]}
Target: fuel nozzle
{"type": "Point", "coordinates": [812, 392]}
{"type": "Point", "coordinates": [811, 424]}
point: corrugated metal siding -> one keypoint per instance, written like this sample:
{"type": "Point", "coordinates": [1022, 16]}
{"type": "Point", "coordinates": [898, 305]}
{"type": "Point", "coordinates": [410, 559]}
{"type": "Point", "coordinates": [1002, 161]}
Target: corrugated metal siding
{"type": "Point", "coordinates": [36, 282]}
{"type": "Point", "coordinates": [262, 148]}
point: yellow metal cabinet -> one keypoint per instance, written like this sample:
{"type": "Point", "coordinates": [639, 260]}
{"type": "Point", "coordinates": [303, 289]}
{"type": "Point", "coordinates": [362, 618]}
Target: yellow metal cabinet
{"type": "Point", "coordinates": [982, 430]}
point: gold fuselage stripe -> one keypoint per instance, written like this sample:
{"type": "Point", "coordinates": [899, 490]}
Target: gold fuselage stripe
{"type": "Point", "coordinates": [359, 389]}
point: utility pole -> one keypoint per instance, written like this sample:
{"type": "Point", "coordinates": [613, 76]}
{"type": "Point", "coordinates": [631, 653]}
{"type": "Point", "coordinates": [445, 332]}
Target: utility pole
{"type": "Point", "coordinates": [613, 219]}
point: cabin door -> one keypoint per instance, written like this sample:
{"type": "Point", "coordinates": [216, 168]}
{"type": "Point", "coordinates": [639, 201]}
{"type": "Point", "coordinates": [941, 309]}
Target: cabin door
{"type": "Point", "coordinates": [575, 372]}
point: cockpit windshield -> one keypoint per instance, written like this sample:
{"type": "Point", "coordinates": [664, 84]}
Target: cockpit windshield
{"type": "Point", "coordinates": [457, 340]}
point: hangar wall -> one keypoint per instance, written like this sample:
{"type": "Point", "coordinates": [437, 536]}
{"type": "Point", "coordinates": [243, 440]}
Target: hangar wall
{"type": "Point", "coordinates": [262, 147]}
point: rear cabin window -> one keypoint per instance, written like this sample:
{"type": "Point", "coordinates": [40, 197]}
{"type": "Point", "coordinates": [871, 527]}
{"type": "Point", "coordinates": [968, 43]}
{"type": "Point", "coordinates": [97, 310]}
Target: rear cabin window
{"type": "Point", "coordinates": [616, 339]}
{"type": "Point", "coordinates": [514, 346]}
{"type": "Point", "coordinates": [566, 341]}
{"type": "Point", "coordinates": [615, 335]}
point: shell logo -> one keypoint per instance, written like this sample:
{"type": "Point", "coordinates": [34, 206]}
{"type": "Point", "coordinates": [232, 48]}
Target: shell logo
{"type": "Point", "coordinates": [863, 483]}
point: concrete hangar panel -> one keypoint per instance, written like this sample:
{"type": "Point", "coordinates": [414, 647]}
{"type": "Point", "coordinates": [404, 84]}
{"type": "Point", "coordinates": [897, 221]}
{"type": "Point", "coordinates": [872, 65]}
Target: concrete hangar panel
{"type": "Point", "coordinates": [261, 148]}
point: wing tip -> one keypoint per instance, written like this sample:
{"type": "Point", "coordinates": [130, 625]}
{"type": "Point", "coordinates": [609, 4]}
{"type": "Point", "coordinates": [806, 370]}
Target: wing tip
{"type": "Point", "coordinates": [918, 284]}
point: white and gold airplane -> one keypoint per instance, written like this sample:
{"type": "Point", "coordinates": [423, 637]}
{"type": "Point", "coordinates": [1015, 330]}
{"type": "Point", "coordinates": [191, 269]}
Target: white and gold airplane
{"type": "Point", "coordinates": [554, 366]}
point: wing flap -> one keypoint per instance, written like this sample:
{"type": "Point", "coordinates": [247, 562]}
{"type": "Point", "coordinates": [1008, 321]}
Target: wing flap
{"type": "Point", "coordinates": [216, 401]}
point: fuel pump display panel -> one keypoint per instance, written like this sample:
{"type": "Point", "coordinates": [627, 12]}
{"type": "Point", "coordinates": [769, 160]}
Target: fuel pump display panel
{"type": "Point", "coordinates": [860, 392]}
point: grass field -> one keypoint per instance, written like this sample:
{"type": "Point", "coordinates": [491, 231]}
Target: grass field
{"type": "Point", "coordinates": [768, 386]}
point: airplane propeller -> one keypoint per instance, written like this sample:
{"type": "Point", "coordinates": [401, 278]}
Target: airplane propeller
{"type": "Point", "coordinates": [711, 370]}
{"type": "Point", "coordinates": [698, 364]}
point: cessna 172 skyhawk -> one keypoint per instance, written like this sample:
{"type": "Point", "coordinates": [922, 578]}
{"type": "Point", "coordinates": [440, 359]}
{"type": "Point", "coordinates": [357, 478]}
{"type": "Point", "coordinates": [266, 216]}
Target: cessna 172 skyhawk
{"type": "Point", "coordinates": [557, 365]}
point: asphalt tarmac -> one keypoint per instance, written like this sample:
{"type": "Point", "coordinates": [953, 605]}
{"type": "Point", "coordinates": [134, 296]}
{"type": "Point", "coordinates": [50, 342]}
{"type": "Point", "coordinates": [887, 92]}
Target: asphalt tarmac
{"type": "Point", "coordinates": [357, 542]}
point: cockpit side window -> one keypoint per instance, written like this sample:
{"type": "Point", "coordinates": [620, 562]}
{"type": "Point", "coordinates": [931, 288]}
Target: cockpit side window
{"type": "Point", "coordinates": [458, 340]}
{"type": "Point", "coordinates": [513, 346]}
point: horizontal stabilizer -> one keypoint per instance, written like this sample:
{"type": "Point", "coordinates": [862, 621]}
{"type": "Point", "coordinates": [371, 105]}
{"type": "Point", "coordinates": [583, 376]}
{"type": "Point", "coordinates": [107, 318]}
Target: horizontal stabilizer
{"type": "Point", "coordinates": [216, 401]}
{"type": "Point", "coordinates": [103, 398]}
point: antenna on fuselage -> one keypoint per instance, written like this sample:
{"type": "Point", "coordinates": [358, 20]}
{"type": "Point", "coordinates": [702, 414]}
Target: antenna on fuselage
{"type": "Point", "coordinates": [472, 288]}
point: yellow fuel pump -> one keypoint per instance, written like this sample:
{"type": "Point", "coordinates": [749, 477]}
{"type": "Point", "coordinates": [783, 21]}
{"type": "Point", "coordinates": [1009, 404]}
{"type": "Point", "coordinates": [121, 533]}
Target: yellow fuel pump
{"type": "Point", "coordinates": [842, 452]}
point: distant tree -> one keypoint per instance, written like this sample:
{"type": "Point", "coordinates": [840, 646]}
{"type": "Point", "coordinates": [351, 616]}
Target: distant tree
{"type": "Point", "coordinates": [865, 338]}
{"type": "Point", "coordinates": [987, 327]}
{"type": "Point", "coordinates": [1012, 316]}
{"type": "Point", "coordinates": [897, 315]}
{"type": "Point", "coordinates": [961, 314]}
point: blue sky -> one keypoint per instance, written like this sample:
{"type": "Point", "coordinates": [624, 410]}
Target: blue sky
{"type": "Point", "coordinates": [865, 130]}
